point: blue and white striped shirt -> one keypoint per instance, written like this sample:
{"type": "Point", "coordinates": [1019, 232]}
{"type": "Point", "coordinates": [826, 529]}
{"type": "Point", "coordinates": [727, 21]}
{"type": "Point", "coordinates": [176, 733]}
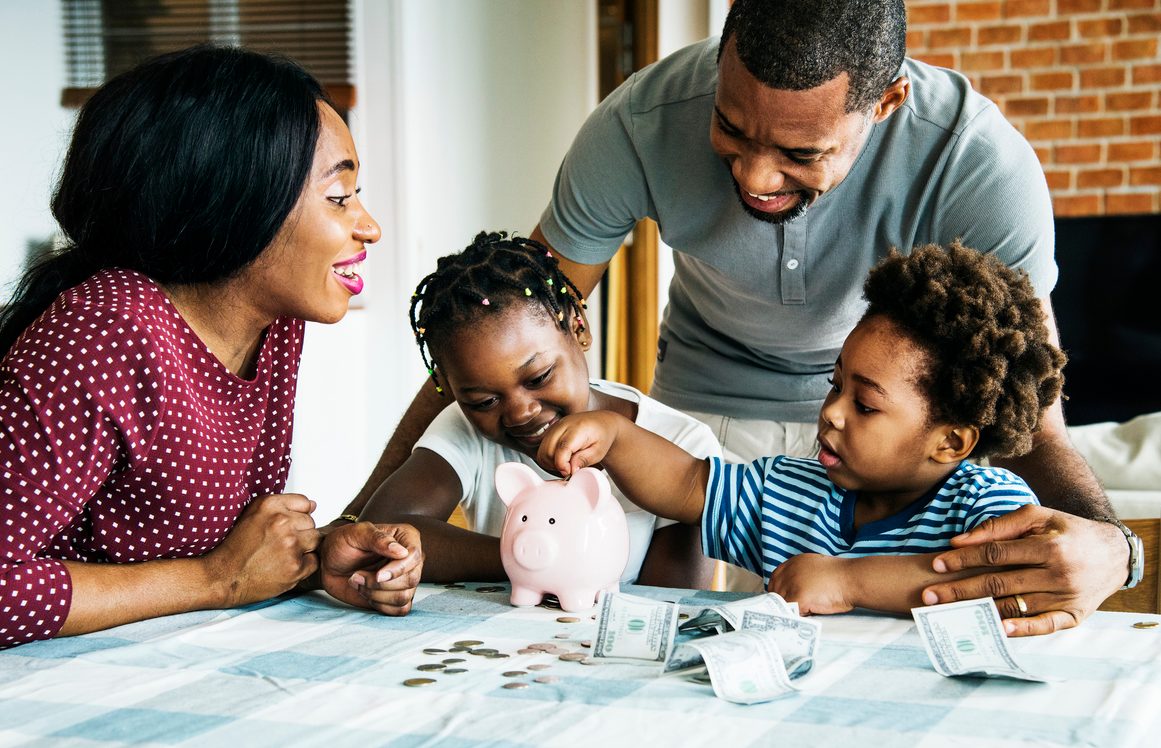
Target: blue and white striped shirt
{"type": "Point", "coordinates": [759, 514]}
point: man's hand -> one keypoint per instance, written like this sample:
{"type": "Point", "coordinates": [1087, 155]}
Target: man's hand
{"type": "Point", "coordinates": [267, 552]}
{"type": "Point", "coordinates": [817, 583]}
{"type": "Point", "coordinates": [372, 566]}
{"type": "Point", "coordinates": [1063, 567]}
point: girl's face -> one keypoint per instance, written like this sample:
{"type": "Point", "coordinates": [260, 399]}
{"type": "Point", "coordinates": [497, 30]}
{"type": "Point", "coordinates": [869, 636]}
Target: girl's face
{"type": "Point", "coordinates": [873, 428]}
{"type": "Point", "coordinates": [311, 269]}
{"type": "Point", "coordinates": [516, 373]}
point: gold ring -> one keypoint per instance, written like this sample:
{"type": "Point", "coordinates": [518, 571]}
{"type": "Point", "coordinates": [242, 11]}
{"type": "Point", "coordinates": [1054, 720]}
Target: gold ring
{"type": "Point", "coordinates": [1023, 606]}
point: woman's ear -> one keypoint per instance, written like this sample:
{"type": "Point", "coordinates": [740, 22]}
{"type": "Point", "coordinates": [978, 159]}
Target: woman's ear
{"type": "Point", "coordinates": [957, 443]}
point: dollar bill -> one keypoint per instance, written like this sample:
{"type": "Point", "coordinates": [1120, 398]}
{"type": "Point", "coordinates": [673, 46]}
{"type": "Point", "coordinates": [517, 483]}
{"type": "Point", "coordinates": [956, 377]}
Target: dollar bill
{"type": "Point", "coordinates": [967, 638]}
{"type": "Point", "coordinates": [635, 629]}
{"type": "Point", "coordinates": [797, 638]}
{"type": "Point", "coordinates": [718, 619]}
{"type": "Point", "coordinates": [745, 667]}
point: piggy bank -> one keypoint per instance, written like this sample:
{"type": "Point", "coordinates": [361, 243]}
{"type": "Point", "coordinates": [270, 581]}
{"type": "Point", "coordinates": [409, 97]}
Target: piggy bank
{"type": "Point", "coordinates": [567, 538]}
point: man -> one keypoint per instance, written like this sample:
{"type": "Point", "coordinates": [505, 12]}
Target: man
{"type": "Point", "coordinates": [781, 164]}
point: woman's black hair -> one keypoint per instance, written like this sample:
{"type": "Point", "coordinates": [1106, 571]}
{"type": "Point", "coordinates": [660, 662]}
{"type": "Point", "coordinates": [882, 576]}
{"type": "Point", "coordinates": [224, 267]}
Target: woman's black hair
{"type": "Point", "coordinates": [183, 169]}
{"type": "Point", "coordinates": [494, 273]}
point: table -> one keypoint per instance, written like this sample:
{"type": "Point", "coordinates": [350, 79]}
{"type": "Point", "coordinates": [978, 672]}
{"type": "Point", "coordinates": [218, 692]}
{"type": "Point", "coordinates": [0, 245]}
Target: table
{"type": "Point", "coordinates": [306, 670]}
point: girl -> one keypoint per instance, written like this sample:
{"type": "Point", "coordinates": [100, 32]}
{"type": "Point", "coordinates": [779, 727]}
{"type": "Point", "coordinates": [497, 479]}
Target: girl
{"type": "Point", "coordinates": [208, 202]}
{"type": "Point", "coordinates": [503, 333]}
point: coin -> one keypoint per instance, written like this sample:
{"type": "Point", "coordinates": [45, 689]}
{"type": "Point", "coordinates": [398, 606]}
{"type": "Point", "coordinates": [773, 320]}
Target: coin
{"type": "Point", "coordinates": [542, 646]}
{"type": "Point", "coordinates": [497, 655]}
{"type": "Point", "coordinates": [454, 671]}
{"type": "Point", "coordinates": [547, 679]}
{"type": "Point", "coordinates": [573, 656]}
{"type": "Point", "coordinates": [428, 667]}
{"type": "Point", "coordinates": [539, 666]}
{"type": "Point", "coordinates": [460, 649]}
{"type": "Point", "coordinates": [1146, 625]}
{"type": "Point", "coordinates": [682, 616]}
{"type": "Point", "coordinates": [513, 673]}
{"type": "Point", "coordinates": [452, 660]}
{"type": "Point", "coordinates": [563, 636]}
{"type": "Point", "coordinates": [590, 661]}
{"type": "Point", "coordinates": [567, 619]}
{"type": "Point", "coordinates": [468, 643]}
{"type": "Point", "coordinates": [490, 589]}
{"type": "Point", "coordinates": [514, 685]}
{"type": "Point", "coordinates": [587, 643]}
{"type": "Point", "coordinates": [453, 586]}
{"type": "Point", "coordinates": [483, 651]}
{"type": "Point", "coordinates": [527, 651]}
{"type": "Point", "coordinates": [413, 682]}
{"type": "Point", "coordinates": [434, 651]}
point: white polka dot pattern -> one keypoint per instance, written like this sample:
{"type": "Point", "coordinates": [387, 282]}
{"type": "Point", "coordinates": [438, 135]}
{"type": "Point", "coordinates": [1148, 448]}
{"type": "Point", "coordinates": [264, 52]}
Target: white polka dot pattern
{"type": "Point", "coordinates": [122, 438]}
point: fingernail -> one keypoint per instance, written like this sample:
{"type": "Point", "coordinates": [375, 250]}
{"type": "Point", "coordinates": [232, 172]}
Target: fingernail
{"type": "Point", "coordinates": [939, 565]}
{"type": "Point", "coordinates": [930, 598]}
{"type": "Point", "coordinates": [1009, 628]}
{"type": "Point", "coordinates": [356, 581]}
{"type": "Point", "coordinates": [383, 575]}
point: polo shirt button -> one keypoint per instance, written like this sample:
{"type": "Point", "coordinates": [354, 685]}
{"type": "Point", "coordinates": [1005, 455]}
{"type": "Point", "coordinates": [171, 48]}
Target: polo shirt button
{"type": "Point", "coordinates": [792, 265]}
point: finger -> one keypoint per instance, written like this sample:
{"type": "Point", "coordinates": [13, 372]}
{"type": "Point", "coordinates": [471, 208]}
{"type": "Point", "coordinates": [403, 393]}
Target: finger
{"type": "Point", "coordinates": [1030, 551]}
{"type": "Point", "coordinates": [400, 568]}
{"type": "Point", "coordinates": [309, 540]}
{"type": "Point", "coordinates": [294, 502]}
{"type": "Point", "coordinates": [1008, 526]}
{"type": "Point", "coordinates": [392, 602]}
{"type": "Point", "coordinates": [1045, 623]}
{"type": "Point", "coordinates": [307, 566]}
{"type": "Point", "coordinates": [995, 584]}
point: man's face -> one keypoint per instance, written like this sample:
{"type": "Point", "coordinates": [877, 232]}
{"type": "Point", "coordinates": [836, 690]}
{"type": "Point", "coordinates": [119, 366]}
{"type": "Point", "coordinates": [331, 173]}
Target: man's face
{"type": "Point", "coordinates": [784, 148]}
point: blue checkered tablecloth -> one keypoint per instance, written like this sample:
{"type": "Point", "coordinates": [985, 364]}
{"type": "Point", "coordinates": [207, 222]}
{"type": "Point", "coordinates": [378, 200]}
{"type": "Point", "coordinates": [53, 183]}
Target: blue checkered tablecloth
{"type": "Point", "coordinates": [307, 670]}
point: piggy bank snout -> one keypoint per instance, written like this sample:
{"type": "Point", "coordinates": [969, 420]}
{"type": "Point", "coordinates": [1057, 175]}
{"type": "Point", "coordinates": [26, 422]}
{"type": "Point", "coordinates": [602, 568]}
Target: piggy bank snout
{"type": "Point", "coordinates": [535, 549]}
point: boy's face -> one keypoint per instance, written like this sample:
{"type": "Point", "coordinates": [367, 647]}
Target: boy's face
{"type": "Point", "coordinates": [517, 373]}
{"type": "Point", "coordinates": [873, 428]}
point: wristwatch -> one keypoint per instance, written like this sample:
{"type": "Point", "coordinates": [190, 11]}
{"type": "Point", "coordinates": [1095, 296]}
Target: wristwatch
{"type": "Point", "coordinates": [1136, 552]}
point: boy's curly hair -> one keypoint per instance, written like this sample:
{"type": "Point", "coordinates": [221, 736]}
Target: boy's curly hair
{"type": "Point", "coordinates": [991, 365]}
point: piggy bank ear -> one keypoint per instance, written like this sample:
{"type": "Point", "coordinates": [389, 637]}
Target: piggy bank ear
{"type": "Point", "coordinates": [514, 477]}
{"type": "Point", "coordinates": [593, 485]}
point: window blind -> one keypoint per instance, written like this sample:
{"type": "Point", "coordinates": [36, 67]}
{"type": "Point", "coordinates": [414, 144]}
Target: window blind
{"type": "Point", "coordinates": [106, 37]}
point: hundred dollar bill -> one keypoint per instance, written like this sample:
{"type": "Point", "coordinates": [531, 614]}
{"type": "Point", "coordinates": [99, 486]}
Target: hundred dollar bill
{"type": "Point", "coordinates": [797, 638]}
{"type": "Point", "coordinates": [635, 629]}
{"type": "Point", "coordinates": [728, 616]}
{"type": "Point", "coordinates": [745, 667]}
{"type": "Point", "coordinates": [967, 638]}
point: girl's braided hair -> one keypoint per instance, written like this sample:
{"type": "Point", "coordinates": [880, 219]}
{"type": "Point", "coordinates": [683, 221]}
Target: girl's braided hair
{"type": "Point", "coordinates": [492, 274]}
{"type": "Point", "coordinates": [991, 363]}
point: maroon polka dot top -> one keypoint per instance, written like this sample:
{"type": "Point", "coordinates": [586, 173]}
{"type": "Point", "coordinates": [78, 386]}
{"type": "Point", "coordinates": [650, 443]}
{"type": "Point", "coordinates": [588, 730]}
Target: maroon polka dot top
{"type": "Point", "coordinates": [122, 438]}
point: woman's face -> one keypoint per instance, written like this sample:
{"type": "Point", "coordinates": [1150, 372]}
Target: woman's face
{"type": "Point", "coordinates": [311, 269]}
{"type": "Point", "coordinates": [517, 373]}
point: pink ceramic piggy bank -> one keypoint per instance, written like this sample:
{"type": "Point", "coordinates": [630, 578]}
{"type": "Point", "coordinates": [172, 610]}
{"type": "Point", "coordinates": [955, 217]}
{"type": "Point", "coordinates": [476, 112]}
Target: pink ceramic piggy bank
{"type": "Point", "coordinates": [567, 538]}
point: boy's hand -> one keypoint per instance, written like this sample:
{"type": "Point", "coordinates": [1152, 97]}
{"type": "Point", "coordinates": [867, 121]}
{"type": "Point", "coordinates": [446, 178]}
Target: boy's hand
{"type": "Point", "coordinates": [817, 583]}
{"type": "Point", "coordinates": [577, 441]}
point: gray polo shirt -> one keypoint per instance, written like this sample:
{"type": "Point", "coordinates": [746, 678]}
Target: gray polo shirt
{"type": "Point", "coordinates": [757, 312]}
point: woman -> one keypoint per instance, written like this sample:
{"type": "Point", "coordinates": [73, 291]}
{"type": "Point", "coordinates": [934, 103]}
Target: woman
{"type": "Point", "coordinates": [210, 206]}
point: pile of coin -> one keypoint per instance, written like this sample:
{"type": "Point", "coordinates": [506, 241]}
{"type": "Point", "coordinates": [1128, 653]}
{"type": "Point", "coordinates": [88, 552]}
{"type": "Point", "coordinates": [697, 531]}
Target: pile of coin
{"type": "Point", "coordinates": [475, 648]}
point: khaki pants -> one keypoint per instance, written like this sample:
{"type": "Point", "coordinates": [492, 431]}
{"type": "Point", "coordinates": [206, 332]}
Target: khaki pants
{"type": "Point", "coordinates": [744, 440]}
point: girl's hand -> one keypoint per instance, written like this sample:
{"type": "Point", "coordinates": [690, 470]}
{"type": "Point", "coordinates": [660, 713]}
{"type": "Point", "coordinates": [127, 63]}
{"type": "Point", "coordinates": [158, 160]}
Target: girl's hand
{"type": "Point", "coordinates": [577, 441]}
{"type": "Point", "coordinates": [268, 551]}
{"type": "Point", "coordinates": [817, 583]}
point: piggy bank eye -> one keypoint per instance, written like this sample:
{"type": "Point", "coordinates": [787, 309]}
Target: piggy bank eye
{"type": "Point", "coordinates": [551, 521]}
{"type": "Point", "coordinates": [524, 518]}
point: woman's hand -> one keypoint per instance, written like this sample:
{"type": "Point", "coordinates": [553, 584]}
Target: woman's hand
{"type": "Point", "coordinates": [269, 550]}
{"type": "Point", "coordinates": [817, 583]}
{"type": "Point", "coordinates": [353, 570]}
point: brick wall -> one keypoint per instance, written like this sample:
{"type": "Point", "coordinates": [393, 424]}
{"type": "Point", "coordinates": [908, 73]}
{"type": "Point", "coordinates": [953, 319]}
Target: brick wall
{"type": "Point", "coordinates": [1080, 78]}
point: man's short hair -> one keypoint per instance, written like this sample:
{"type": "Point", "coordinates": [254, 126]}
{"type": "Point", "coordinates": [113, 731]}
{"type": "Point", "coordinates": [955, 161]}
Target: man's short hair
{"type": "Point", "coordinates": [800, 44]}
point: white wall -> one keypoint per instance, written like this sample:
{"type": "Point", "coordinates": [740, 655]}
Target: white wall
{"type": "Point", "coordinates": [465, 109]}
{"type": "Point", "coordinates": [34, 128]}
